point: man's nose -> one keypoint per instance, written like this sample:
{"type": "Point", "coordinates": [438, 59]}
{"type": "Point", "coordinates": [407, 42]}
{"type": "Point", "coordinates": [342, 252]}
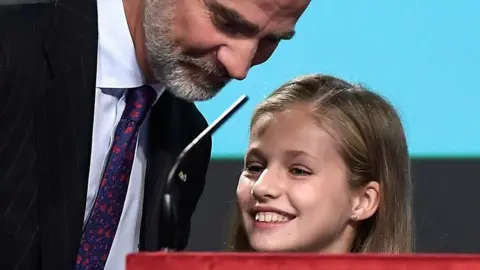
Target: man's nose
{"type": "Point", "coordinates": [237, 57]}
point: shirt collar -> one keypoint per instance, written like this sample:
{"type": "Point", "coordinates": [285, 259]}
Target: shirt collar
{"type": "Point", "coordinates": [117, 65]}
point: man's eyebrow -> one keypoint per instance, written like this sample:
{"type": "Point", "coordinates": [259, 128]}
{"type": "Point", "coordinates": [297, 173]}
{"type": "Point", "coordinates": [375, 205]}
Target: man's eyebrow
{"type": "Point", "coordinates": [284, 35]}
{"type": "Point", "coordinates": [235, 18]}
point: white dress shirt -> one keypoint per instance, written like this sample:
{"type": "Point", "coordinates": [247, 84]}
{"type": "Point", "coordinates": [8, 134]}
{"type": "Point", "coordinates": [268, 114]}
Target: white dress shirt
{"type": "Point", "coordinates": [117, 69]}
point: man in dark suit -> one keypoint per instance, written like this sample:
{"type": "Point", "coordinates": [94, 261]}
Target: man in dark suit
{"type": "Point", "coordinates": [96, 103]}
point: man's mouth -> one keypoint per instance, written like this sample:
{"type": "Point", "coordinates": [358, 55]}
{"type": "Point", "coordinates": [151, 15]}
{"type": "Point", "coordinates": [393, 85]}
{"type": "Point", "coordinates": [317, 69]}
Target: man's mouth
{"type": "Point", "coordinates": [215, 77]}
{"type": "Point", "coordinates": [213, 71]}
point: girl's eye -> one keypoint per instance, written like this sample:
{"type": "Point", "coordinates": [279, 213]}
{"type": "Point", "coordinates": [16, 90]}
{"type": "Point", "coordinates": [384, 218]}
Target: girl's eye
{"type": "Point", "coordinates": [253, 168]}
{"type": "Point", "coordinates": [300, 172]}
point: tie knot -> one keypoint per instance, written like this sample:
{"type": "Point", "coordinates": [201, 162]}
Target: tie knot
{"type": "Point", "coordinates": [138, 102]}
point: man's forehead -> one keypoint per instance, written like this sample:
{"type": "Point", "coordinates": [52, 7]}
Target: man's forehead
{"type": "Point", "coordinates": [284, 4]}
{"type": "Point", "coordinates": [259, 13]}
{"type": "Point", "coordinates": [295, 7]}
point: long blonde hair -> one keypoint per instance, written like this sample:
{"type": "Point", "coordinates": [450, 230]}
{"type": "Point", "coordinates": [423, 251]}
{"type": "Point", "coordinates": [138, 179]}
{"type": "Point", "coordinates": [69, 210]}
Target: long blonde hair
{"type": "Point", "coordinates": [372, 143]}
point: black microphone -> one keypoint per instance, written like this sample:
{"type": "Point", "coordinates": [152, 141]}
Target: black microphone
{"type": "Point", "coordinates": [169, 206]}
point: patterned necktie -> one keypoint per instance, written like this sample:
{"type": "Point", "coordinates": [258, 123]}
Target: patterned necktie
{"type": "Point", "coordinates": [102, 225]}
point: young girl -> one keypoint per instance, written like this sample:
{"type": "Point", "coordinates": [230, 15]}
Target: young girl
{"type": "Point", "coordinates": [327, 170]}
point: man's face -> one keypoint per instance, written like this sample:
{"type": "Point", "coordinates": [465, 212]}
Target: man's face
{"type": "Point", "coordinates": [196, 47]}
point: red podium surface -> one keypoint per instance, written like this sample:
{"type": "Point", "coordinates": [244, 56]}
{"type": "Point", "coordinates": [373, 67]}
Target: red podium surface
{"type": "Point", "coordinates": [293, 261]}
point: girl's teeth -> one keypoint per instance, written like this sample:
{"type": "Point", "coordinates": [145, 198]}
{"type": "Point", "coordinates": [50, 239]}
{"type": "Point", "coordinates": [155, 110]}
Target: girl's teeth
{"type": "Point", "coordinates": [270, 217]}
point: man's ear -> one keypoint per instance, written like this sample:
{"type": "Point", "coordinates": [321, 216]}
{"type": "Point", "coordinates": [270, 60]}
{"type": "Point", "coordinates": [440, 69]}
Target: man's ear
{"type": "Point", "coordinates": [366, 201]}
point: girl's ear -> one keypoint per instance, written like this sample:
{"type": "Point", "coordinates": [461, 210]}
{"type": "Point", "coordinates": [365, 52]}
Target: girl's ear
{"type": "Point", "coordinates": [366, 201]}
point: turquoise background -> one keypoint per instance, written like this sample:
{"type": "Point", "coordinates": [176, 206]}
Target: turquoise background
{"type": "Point", "coordinates": [423, 55]}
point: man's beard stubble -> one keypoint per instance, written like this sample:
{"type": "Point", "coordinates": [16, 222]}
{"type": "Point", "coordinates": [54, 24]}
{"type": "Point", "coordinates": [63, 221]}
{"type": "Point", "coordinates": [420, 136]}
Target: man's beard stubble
{"type": "Point", "coordinates": [170, 68]}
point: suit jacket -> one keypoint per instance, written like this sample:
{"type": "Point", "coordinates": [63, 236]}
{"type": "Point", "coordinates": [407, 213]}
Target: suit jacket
{"type": "Point", "coordinates": [48, 54]}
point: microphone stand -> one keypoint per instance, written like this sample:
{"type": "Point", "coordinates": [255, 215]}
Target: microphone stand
{"type": "Point", "coordinates": [169, 207]}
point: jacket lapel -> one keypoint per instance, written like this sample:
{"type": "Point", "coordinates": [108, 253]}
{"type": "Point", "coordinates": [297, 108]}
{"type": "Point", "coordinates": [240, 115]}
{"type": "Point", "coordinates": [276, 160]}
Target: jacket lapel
{"type": "Point", "coordinates": [165, 144]}
{"type": "Point", "coordinates": [64, 125]}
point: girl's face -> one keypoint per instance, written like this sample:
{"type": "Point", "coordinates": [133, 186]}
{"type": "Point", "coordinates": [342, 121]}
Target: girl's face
{"type": "Point", "coordinates": [294, 193]}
